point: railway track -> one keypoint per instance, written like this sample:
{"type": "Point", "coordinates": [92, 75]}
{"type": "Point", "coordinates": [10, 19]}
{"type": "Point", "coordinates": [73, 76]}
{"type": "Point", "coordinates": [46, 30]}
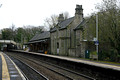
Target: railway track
{"type": "Point", "coordinates": [27, 68]}
{"type": "Point", "coordinates": [71, 75]}
{"type": "Point", "coordinates": [48, 73]}
{"type": "Point", "coordinates": [68, 74]}
{"type": "Point", "coordinates": [67, 70]}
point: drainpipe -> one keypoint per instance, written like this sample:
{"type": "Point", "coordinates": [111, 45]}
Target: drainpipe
{"type": "Point", "coordinates": [66, 43]}
{"type": "Point", "coordinates": [75, 41]}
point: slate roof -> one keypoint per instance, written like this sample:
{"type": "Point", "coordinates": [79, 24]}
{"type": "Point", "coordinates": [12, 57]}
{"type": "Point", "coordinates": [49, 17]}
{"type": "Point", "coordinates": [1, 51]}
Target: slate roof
{"type": "Point", "coordinates": [80, 26]}
{"type": "Point", "coordinates": [53, 29]}
{"type": "Point", "coordinates": [63, 24]}
{"type": "Point", "coordinates": [41, 36]}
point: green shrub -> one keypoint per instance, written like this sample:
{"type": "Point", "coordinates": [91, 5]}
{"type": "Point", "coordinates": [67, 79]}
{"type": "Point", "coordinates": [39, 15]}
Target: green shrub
{"type": "Point", "coordinates": [104, 55]}
{"type": "Point", "coordinates": [110, 55]}
{"type": "Point", "coordinates": [93, 53]}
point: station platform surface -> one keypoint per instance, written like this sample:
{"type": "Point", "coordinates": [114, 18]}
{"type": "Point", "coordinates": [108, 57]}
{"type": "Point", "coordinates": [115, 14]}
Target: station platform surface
{"type": "Point", "coordinates": [8, 69]}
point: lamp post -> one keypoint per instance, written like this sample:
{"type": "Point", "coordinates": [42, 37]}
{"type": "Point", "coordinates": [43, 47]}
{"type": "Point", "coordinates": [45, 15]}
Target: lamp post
{"type": "Point", "coordinates": [97, 42]}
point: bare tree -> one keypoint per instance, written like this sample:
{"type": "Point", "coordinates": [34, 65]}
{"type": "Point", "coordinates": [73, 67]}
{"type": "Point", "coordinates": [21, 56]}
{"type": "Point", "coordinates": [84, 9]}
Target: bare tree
{"type": "Point", "coordinates": [53, 20]}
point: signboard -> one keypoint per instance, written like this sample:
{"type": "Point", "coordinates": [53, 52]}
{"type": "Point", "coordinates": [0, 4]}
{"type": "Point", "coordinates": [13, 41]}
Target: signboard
{"type": "Point", "coordinates": [96, 42]}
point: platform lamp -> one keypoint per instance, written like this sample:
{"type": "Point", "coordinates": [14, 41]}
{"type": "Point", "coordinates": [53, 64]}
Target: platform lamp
{"type": "Point", "coordinates": [97, 42]}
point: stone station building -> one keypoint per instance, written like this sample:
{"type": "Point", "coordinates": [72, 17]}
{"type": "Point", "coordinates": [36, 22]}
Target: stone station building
{"type": "Point", "coordinates": [66, 38]}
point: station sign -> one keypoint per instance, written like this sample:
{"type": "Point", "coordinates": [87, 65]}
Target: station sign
{"type": "Point", "coordinates": [96, 42]}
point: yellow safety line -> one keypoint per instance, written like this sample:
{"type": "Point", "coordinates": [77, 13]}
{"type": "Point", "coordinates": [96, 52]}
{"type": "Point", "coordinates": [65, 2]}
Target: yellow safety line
{"type": "Point", "coordinates": [5, 73]}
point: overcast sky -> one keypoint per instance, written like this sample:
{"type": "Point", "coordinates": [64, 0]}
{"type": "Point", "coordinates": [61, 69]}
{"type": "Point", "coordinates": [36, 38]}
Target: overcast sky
{"type": "Point", "coordinates": [34, 12]}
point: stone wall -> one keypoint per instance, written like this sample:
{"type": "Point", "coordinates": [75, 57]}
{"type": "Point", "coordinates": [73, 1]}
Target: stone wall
{"type": "Point", "coordinates": [63, 42]}
{"type": "Point", "coordinates": [53, 43]}
{"type": "Point", "coordinates": [72, 52]}
{"type": "Point", "coordinates": [78, 51]}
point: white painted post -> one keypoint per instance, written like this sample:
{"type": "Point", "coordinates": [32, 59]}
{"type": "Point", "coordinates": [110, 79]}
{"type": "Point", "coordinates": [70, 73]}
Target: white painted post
{"type": "Point", "coordinates": [97, 35]}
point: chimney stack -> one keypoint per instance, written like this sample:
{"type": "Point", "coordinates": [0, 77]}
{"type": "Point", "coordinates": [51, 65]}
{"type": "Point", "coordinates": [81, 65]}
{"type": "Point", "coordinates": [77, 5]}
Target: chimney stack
{"type": "Point", "coordinates": [60, 18]}
{"type": "Point", "coordinates": [79, 12]}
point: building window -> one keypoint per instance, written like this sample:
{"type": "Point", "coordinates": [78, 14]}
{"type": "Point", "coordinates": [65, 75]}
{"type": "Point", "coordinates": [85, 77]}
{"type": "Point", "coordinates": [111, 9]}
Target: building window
{"type": "Point", "coordinates": [57, 45]}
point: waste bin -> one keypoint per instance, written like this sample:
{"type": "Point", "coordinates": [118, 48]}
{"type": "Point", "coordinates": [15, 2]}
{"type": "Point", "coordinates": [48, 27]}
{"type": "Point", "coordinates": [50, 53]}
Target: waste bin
{"type": "Point", "coordinates": [87, 54]}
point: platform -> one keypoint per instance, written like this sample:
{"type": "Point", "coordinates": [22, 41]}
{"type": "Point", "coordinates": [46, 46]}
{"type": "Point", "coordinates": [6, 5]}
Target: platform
{"type": "Point", "coordinates": [8, 69]}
